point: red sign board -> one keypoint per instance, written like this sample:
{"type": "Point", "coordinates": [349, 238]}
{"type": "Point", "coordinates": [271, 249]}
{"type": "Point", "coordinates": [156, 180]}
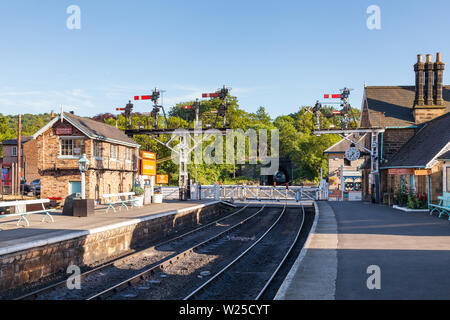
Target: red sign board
{"type": "Point", "coordinates": [335, 193]}
{"type": "Point", "coordinates": [64, 130]}
{"type": "Point", "coordinates": [400, 171]}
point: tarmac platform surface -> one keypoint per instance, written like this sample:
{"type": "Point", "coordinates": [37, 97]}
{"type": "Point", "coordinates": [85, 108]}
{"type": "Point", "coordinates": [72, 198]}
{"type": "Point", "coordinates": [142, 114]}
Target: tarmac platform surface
{"type": "Point", "coordinates": [14, 238]}
{"type": "Point", "coordinates": [412, 251]}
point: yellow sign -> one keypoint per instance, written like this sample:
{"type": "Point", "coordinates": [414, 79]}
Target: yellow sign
{"type": "Point", "coordinates": [162, 179]}
{"type": "Point", "coordinates": [148, 155]}
{"type": "Point", "coordinates": [148, 167]}
{"type": "Point", "coordinates": [425, 172]}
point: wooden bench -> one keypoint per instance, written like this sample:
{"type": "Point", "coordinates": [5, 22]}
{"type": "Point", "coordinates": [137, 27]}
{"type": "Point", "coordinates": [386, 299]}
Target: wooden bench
{"type": "Point", "coordinates": [444, 205]}
{"type": "Point", "coordinates": [21, 210]}
{"type": "Point", "coordinates": [123, 199]}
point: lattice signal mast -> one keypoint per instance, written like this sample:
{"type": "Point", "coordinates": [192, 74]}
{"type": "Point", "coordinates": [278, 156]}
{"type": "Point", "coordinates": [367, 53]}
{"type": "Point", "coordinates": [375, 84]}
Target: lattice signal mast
{"type": "Point", "coordinates": [156, 108]}
{"type": "Point", "coordinates": [223, 108]}
{"type": "Point", "coordinates": [347, 134]}
{"type": "Point", "coordinates": [183, 148]}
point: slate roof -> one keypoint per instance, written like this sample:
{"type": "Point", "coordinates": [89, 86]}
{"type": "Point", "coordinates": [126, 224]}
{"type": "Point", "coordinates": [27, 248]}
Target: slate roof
{"type": "Point", "coordinates": [431, 138]}
{"type": "Point", "coordinates": [343, 145]}
{"type": "Point", "coordinates": [13, 142]}
{"type": "Point", "coordinates": [93, 129]}
{"type": "Point", "coordinates": [396, 102]}
{"type": "Point", "coordinates": [97, 129]}
{"type": "Point", "coordinates": [445, 156]}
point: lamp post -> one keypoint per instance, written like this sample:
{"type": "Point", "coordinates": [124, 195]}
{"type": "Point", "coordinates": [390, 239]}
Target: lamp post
{"type": "Point", "coordinates": [83, 165]}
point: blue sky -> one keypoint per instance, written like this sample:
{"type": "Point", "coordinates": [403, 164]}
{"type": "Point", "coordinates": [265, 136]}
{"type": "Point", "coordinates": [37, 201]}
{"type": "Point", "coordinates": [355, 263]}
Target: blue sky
{"type": "Point", "coordinates": [276, 54]}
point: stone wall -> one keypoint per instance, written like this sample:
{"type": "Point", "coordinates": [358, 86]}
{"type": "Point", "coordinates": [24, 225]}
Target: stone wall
{"type": "Point", "coordinates": [427, 113]}
{"type": "Point", "coordinates": [105, 175]}
{"type": "Point", "coordinates": [394, 139]}
{"type": "Point", "coordinates": [31, 265]}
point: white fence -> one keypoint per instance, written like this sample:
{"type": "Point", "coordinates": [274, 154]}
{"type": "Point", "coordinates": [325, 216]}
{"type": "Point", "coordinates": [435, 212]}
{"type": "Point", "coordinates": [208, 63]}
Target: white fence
{"type": "Point", "coordinates": [243, 193]}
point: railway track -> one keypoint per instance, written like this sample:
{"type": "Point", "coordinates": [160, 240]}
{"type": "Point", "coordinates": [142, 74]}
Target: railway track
{"type": "Point", "coordinates": [190, 235]}
{"type": "Point", "coordinates": [174, 281]}
{"type": "Point", "coordinates": [249, 275]}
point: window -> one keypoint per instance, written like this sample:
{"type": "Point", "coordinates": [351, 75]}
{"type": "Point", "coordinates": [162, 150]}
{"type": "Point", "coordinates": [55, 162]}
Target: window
{"type": "Point", "coordinates": [448, 178]}
{"type": "Point", "coordinates": [347, 162]}
{"type": "Point", "coordinates": [14, 151]}
{"type": "Point", "coordinates": [128, 154]}
{"type": "Point", "coordinates": [72, 147]}
{"type": "Point", "coordinates": [97, 149]}
{"type": "Point", "coordinates": [113, 154]}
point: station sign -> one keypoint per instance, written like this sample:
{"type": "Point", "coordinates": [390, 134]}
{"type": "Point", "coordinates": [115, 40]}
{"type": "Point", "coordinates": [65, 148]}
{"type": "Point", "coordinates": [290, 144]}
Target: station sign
{"type": "Point", "coordinates": [148, 155]}
{"type": "Point", "coordinates": [64, 131]}
{"type": "Point", "coordinates": [423, 172]}
{"type": "Point", "coordinates": [400, 171]}
{"type": "Point", "coordinates": [162, 179]}
{"type": "Point", "coordinates": [148, 167]}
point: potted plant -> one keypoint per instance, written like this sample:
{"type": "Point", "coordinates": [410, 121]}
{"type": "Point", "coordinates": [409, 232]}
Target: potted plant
{"type": "Point", "coordinates": [138, 195]}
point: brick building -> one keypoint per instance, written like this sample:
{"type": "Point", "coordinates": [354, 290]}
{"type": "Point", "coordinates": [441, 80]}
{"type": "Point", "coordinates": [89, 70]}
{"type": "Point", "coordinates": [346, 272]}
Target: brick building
{"type": "Point", "coordinates": [415, 119]}
{"type": "Point", "coordinates": [28, 161]}
{"type": "Point", "coordinates": [60, 144]}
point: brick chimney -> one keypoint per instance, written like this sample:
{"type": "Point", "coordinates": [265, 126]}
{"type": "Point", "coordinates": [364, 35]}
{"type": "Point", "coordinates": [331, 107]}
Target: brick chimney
{"type": "Point", "coordinates": [439, 67]}
{"type": "Point", "coordinates": [429, 66]}
{"type": "Point", "coordinates": [419, 67]}
{"type": "Point", "coordinates": [428, 102]}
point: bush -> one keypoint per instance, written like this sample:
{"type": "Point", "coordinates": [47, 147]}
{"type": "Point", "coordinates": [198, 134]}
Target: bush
{"type": "Point", "coordinates": [401, 198]}
{"type": "Point", "coordinates": [138, 191]}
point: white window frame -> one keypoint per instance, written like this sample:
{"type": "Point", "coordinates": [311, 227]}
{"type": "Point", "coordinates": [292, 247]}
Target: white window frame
{"type": "Point", "coordinates": [97, 146]}
{"type": "Point", "coordinates": [14, 151]}
{"type": "Point", "coordinates": [61, 156]}
{"type": "Point", "coordinates": [128, 155]}
{"type": "Point", "coordinates": [446, 167]}
{"type": "Point", "coordinates": [116, 153]}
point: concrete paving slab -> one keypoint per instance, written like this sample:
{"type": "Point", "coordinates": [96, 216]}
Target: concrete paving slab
{"type": "Point", "coordinates": [411, 250]}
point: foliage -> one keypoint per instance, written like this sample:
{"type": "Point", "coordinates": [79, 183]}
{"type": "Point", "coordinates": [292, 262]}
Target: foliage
{"type": "Point", "coordinates": [297, 140]}
{"type": "Point", "coordinates": [138, 191]}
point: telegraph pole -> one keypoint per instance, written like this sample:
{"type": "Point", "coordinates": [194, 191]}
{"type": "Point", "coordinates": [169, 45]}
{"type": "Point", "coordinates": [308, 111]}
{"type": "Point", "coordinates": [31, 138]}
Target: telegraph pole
{"type": "Point", "coordinates": [19, 151]}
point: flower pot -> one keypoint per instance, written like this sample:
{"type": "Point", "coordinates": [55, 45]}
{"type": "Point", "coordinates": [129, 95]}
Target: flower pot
{"type": "Point", "coordinates": [157, 198]}
{"type": "Point", "coordinates": [139, 201]}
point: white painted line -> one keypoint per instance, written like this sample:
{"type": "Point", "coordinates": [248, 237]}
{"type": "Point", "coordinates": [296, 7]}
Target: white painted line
{"type": "Point", "coordinates": [78, 234]}
{"type": "Point", "coordinates": [281, 294]}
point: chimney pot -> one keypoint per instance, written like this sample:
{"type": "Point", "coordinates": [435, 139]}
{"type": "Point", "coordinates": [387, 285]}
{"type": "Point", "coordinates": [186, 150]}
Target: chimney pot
{"type": "Point", "coordinates": [438, 57]}
{"type": "Point", "coordinates": [419, 58]}
{"type": "Point", "coordinates": [428, 58]}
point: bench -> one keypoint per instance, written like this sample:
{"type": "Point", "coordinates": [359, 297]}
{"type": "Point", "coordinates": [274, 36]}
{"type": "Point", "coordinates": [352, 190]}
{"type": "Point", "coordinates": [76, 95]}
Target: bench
{"type": "Point", "coordinates": [121, 200]}
{"type": "Point", "coordinates": [21, 210]}
{"type": "Point", "coordinates": [444, 205]}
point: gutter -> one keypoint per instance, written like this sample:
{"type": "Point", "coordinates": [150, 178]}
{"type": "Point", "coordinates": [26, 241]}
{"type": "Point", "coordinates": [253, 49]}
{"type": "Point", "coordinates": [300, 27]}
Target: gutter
{"type": "Point", "coordinates": [397, 167]}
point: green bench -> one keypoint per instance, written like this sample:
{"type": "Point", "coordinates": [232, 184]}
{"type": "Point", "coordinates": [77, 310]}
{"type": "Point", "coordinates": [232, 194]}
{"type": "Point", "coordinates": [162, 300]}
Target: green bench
{"type": "Point", "coordinates": [443, 207]}
{"type": "Point", "coordinates": [21, 210]}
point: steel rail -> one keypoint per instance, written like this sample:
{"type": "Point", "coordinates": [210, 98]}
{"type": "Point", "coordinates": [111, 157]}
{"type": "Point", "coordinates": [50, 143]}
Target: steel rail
{"type": "Point", "coordinates": [169, 261]}
{"type": "Point", "coordinates": [193, 293]}
{"type": "Point", "coordinates": [83, 275]}
{"type": "Point", "coordinates": [274, 274]}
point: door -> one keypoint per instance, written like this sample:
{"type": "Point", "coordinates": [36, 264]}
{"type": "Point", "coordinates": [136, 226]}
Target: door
{"type": "Point", "coordinates": [74, 187]}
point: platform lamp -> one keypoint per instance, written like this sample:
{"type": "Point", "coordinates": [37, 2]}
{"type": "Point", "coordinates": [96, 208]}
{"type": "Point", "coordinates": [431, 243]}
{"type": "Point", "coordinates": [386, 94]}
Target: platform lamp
{"type": "Point", "coordinates": [83, 165]}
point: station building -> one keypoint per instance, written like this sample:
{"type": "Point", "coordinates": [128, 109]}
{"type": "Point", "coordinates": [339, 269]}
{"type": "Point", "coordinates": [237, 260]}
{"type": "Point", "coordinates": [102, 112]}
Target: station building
{"type": "Point", "coordinates": [417, 132]}
{"type": "Point", "coordinates": [60, 144]}
{"type": "Point", "coordinates": [352, 173]}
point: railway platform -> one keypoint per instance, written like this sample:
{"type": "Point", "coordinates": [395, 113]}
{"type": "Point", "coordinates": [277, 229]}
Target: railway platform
{"type": "Point", "coordinates": [15, 238]}
{"type": "Point", "coordinates": [349, 240]}
{"type": "Point", "coordinates": [46, 248]}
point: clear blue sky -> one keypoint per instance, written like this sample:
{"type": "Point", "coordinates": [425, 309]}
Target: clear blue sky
{"type": "Point", "coordinates": [276, 54]}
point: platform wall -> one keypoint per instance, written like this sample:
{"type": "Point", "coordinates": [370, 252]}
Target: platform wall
{"type": "Point", "coordinates": [19, 268]}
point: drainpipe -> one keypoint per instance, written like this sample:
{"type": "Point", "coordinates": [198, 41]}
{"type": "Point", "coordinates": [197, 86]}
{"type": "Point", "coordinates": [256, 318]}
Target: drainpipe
{"type": "Point", "coordinates": [429, 194]}
{"type": "Point", "coordinates": [381, 149]}
{"type": "Point", "coordinates": [401, 178]}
